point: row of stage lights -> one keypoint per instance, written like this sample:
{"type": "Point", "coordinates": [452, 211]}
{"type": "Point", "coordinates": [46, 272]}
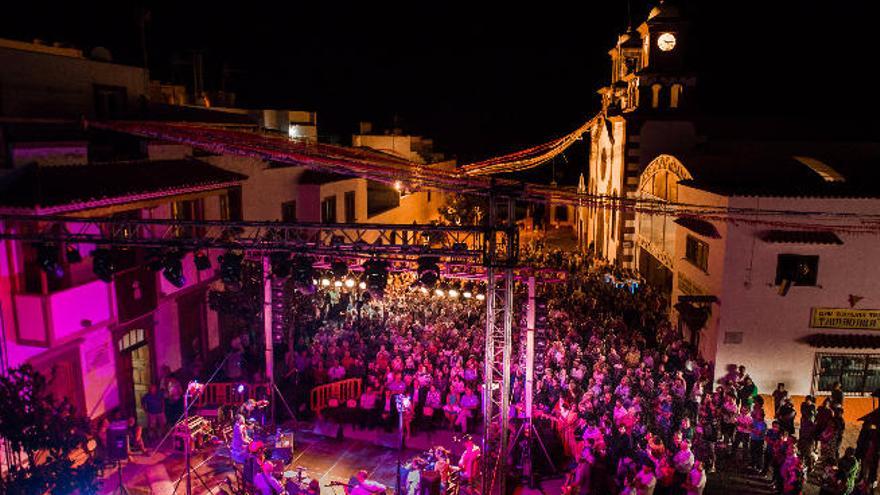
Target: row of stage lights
{"type": "Point", "coordinates": [300, 267]}
{"type": "Point", "coordinates": [451, 292]}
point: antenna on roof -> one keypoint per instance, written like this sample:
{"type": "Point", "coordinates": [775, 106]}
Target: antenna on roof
{"type": "Point", "coordinates": [629, 19]}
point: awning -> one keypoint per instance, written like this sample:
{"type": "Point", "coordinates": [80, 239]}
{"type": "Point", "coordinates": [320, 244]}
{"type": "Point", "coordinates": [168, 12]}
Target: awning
{"type": "Point", "coordinates": [702, 227]}
{"type": "Point", "coordinates": [849, 341]}
{"type": "Point", "coordinates": [800, 237]}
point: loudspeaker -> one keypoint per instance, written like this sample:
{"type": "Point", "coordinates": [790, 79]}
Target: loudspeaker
{"type": "Point", "coordinates": [117, 441]}
{"type": "Point", "coordinates": [328, 429]}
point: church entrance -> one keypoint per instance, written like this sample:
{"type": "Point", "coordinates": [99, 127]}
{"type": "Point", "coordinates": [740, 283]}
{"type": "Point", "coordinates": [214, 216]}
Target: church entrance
{"type": "Point", "coordinates": [655, 273]}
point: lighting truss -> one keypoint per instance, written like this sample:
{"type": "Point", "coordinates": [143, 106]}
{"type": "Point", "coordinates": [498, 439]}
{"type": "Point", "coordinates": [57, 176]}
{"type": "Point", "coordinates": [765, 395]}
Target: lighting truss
{"type": "Point", "coordinates": [400, 241]}
{"type": "Point", "coordinates": [501, 257]}
{"type": "Point", "coordinates": [494, 246]}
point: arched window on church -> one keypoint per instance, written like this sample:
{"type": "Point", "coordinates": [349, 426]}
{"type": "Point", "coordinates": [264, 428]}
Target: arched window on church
{"type": "Point", "coordinates": [675, 95]}
{"type": "Point", "coordinates": [655, 95]}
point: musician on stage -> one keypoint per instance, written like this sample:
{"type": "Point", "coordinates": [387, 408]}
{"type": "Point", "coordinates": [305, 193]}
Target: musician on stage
{"type": "Point", "coordinates": [360, 485]}
{"type": "Point", "coordinates": [442, 467]}
{"type": "Point", "coordinates": [469, 462]}
{"type": "Point", "coordinates": [240, 439]}
{"type": "Point", "coordinates": [414, 477]}
{"type": "Point", "coordinates": [265, 482]}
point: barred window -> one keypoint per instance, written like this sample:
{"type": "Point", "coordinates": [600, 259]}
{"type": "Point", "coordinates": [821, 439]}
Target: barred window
{"type": "Point", "coordinates": [857, 373]}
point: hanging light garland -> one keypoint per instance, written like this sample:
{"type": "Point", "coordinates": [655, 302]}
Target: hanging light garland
{"type": "Point", "coordinates": [390, 170]}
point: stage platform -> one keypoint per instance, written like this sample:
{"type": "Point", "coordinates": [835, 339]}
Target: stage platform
{"type": "Point", "coordinates": [324, 458]}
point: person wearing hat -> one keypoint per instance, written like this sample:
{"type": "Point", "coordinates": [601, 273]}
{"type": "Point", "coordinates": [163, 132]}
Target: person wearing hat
{"type": "Point", "coordinates": [265, 483]}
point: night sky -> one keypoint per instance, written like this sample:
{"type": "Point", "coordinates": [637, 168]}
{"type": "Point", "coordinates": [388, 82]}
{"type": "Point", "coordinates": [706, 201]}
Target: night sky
{"type": "Point", "coordinates": [480, 81]}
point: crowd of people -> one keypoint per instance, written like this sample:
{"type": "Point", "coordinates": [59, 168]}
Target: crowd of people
{"type": "Point", "coordinates": [633, 407]}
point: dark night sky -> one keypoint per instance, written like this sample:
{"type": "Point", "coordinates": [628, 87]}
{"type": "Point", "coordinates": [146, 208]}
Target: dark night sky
{"type": "Point", "coordinates": [486, 80]}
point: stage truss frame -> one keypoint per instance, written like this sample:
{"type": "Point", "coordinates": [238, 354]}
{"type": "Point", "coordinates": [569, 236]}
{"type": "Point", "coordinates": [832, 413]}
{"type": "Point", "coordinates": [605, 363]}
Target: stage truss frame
{"type": "Point", "coordinates": [494, 246]}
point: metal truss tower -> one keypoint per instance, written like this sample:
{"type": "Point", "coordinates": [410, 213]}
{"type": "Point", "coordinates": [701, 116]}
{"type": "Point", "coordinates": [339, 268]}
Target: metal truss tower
{"type": "Point", "coordinates": [501, 254]}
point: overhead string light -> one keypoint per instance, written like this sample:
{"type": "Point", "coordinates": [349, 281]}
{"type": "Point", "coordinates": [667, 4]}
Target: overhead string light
{"type": "Point", "coordinates": [472, 178]}
{"type": "Point", "coordinates": [529, 157]}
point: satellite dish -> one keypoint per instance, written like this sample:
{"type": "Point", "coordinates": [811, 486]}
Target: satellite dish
{"type": "Point", "coordinates": [101, 54]}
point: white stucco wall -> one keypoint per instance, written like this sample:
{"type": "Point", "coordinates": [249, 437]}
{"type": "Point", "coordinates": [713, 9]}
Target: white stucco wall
{"type": "Point", "coordinates": [772, 324]}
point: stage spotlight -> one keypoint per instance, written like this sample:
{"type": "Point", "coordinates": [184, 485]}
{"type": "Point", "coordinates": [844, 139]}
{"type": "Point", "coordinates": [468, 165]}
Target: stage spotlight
{"type": "Point", "coordinates": [349, 283]}
{"type": "Point", "coordinates": [172, 269]}
{"type": "Point", "coordinates": [480, 297]}
{"type": "Point", "coordinates": [241, 388]}
{"type": "Point", "coordinates": [339, 269]}
{"type": "Point", "coordinates": [153, 258]}
{"type": "Point", "coordinates": [280, 263]}
{"type": "Point", "coordinates": [103, 264]}
{"type": "Point", "coordinates": [47, 257]}
{"type": "Point", "coordinates": [72, 254]}
{"type": "Point", "coordinates": [423, 289]}
{"type": "Point", "coordinates": [453, 293]}
{"type": "Point", "coordinates": [230, 266]}
{"type": "Point", "coordinates": [362, 285]}
{"type": "Point", "coordinates": [303, 273]}
{"type": "Point", "coordinates": [375, 275]}
{"type": "Point", "coordinates": [337, 283]}
{"type": "Point", "coordinates": [325, 282]}
{"type": "Point", "coordinates": [201, 260]}
{"type": "Point", "coordinates": [439, 292]}
{"type": "Point", "coordinates": [468, 290]}
{"type": "Point", "coordinates": [429, 271]}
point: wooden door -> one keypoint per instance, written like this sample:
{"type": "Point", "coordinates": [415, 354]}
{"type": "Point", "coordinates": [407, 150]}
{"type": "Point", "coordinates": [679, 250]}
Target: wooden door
{"type": "Point", "coordinates": [140, 378]}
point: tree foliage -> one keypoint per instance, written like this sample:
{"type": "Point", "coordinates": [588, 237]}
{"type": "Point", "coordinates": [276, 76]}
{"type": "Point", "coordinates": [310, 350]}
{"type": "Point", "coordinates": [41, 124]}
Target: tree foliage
{"type": "Point", "coordinates": [464, 209]}
{"type": "Point", "coordinates": [48, 433]}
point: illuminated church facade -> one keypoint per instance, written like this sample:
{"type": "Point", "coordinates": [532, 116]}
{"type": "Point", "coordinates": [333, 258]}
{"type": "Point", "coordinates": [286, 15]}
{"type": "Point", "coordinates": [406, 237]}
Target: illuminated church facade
{"type": "Point", "coordinates": [646, 111]}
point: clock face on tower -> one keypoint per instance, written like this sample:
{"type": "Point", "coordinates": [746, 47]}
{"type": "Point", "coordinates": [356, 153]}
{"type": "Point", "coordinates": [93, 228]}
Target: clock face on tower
{"type": "Point", "coordinates": [666, 42]}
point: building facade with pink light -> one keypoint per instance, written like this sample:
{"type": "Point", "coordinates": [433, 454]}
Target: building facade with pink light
{"type": "Point", "coordinates": [100, 342]}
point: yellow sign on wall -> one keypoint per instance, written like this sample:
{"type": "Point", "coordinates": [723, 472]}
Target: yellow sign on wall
{"type": "Point", "coordinates": [861, 319]}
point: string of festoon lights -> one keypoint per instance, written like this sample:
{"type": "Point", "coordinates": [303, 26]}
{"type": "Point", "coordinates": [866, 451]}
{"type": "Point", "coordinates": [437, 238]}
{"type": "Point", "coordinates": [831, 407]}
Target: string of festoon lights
{"type": "Point", "coordinates": [405, 175]}
{"type": "Point", "coordinates": [528, 158]}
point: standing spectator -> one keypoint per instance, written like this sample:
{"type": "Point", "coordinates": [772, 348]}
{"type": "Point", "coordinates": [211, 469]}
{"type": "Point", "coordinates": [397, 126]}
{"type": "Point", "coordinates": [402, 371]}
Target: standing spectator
{"type": "Point", "coordinates": [836, 394]}
{"type": "Point", "coordinates": [747, 392]}
{"type": "Point", "coordinates": [848, 468]}
{"type": "Point", "coordinates": [786, 415]}
{"type": "Point", "coordinates": [778, 396]}
{"type": "Point", "coordinates": [136, 435]}
{"type": "Point", "coordinates": [153, 404]}
{"type": "Point", "coordinates": [696, 480]}
{"type": "Point", "coordinates": [743, 429]}
{"type": "Point", "coordinates": [756, 440]}
{"type": "Point", "coordinates": [336, 372]}
{"type": "Point", "coordinates": [172, 390]}
{"type": "Point", "coordinates": [832, 435]}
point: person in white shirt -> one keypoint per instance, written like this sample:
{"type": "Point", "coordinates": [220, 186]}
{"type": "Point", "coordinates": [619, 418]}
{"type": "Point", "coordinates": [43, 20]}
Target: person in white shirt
{"type": "Point", "coordinates": [696, 480]}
